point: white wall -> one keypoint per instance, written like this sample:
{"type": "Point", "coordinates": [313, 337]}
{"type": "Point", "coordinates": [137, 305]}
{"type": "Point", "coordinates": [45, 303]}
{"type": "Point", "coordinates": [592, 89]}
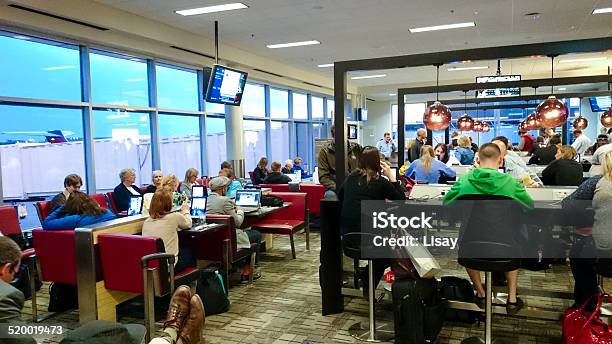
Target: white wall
{"type": "Point", "coordinates": [593, 117]}
{"type": "Point", "coordinates": [378, 123]}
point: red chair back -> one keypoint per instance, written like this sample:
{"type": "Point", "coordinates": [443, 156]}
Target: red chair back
{"type": "Point", "coordinates": [251, 176]}
{"type": "Point", "coordinates": [43, 208]}
{"type": "Point", "coordinates": [297, 209]}
{"type": "Point", "coordinates": [276, 187]}
{"type": "Point", "coordinates": [101, 199]}
{"type": "Point", "coordinates": [210, 249]}
{"type": "Point", "coordinates": [316, 193]}
{"type": "Point", "coordinates": [120, 256]}
{"type": "Point", "coordinates": [9, 221]}
{"type": "Point", "coordinates": [111, 201]}
{"type": "Point", "coordinates": [178, 188]}
{"type": "Point", "coordinates": [143, 189]}
{"type": "Point", "coordinates": [56, 251]}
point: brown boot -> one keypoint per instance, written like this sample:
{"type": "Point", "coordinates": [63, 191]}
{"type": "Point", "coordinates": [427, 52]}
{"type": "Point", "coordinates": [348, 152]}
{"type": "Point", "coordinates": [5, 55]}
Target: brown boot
{"type": "Point", "coordinates": [179, 308]}
{"type": "Point", "coordinates": [192, 331]}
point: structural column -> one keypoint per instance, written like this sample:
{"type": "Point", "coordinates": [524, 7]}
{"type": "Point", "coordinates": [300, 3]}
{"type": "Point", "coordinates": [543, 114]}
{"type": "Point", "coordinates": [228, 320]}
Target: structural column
{"type": "Point", "coordinates": [233, 136]}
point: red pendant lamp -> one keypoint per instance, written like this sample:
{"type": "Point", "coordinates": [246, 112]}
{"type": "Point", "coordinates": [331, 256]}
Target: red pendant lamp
{"type": "Point", "coordinates": [437, 116]}
{"type": "Point", "coordinates": [486, 127]}
{"type": "Point", "coordinates": [580, 123]}
{"type": "Point", "coordinates": [523, 126]}
{"type": "Point", "coordinates": [465, 122]}
{"type": "Point", "coordinates": [478, 126]}
{"type": "Point", "coordinates": [606, 118]}
{"type": "Point", "coordinates": [533, 122]}
{"type": "Point", "coordinates": [552, 111]}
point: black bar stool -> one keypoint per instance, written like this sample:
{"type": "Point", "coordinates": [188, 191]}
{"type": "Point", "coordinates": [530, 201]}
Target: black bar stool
{"type": "Point", "coordinates": [351, 245]}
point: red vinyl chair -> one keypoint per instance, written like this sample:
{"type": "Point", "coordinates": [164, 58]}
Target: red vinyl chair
{"type": "Point", "coordinates": [43, 208]}
{"type": "Point", "coordinates": [131, 263]}
{"type": "Point", "coordinates": [56, 254]}
{"type": "Point", "coordinates": [316, 193]}
{"type": "Point", "coordinates": [101, 199]}
{"type": "Point", "coordinates": [9, 220]}
{"type": "Point", "coordinates": [288, 220]}
{"type": "Point", "coordinates": [276, 187]}
{"type": "Point", "coordinates": [111, 202]}
{"type": "Point", "coordinates": [251, 175]}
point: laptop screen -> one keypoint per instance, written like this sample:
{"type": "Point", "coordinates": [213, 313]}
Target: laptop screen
{"type": "Point", "coordinates": [198, 207]}
{"type": "Point", "coordinates": [295, 177]}
{"type": "Point", "coordinates": [197, 191]}
{"type": "Point", "coordinates": [135, 207]}
{"type": "Point", "coordinates": [248, 198]}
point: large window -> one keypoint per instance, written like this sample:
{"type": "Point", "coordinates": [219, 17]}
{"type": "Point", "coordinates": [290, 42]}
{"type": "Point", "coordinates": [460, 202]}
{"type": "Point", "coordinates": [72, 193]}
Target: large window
{"type": "Point", "coordinates": [216, 147]}
{"type": "Point", "coordinates": [317, 107]}
{"type": "Point", "coordinates": [254, 100]}
{"type": "Point", "coordinates": [303, 143]}
{"type": "Point", "coordinates": [176, 88]}
{"type": "Point", "coordinates": [300, 106]}
{"type": "Point", "coordinates": [179, 144]}
{"type": "Point", "coordinates": [214, 108]}
{"type": "Point", "coordinates": [121, 140]}
{"type": "Point", "coordinates": [31, 69]}
{"type": "Point", "coordinates": [279, 103]}
{"type": "Point", "coordinates": [330, 109]}
{"type": "Point", "coordinates": [118, 80]}
{"type": "Point", "coordinates": [254, 143]}
{"type": "Point", "coordinates": [279, 140]}
{"type": "Point", "coordinates": [39, 147]}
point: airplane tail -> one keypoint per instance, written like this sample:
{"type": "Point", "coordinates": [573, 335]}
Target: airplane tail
{"type": "Point", "coordinates": [56, 137]}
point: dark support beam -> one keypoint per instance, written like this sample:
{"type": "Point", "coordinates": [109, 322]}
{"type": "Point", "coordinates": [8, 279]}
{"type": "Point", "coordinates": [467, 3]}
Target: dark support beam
{"type": "Point", "coordinates": [401, 130]}
{"type": "Point", "coordinates": [522, 83]}
{"type": "Point", "coordinates": [540, 97]}
{"type": "Point", "coordinates": [340, 135]}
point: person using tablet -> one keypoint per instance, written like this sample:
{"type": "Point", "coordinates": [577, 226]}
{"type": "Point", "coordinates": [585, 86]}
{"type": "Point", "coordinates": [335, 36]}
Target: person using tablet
{"type": "Point", "coordinates": [126, 189]}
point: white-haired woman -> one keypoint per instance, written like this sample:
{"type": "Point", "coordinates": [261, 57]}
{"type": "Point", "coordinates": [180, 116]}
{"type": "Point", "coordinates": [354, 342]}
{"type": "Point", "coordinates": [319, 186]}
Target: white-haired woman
{"type": "Point", "coordinates": [125, 189]}
{"type": "Point", "coordinates": [156, 180]}
{"type": "Point", "coordinates": [288, 168]}
{"type": "Point", "coordinates": [190, 180]}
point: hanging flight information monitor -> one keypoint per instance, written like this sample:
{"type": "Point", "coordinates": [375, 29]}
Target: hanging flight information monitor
{"type": "Point", "coordinates": [498, 92]}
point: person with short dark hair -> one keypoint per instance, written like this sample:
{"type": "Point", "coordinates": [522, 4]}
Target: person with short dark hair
{"type": "Point", "coordinates": [414, 151]}
{"type": "Point", "coordinates": [80, 210]}
{"type": "Point", "coordinates": [564, 171]}
{"type": "Point", "coordinates": [226, 164]}
{"type": "Point", "coordinates": [327, 163]}
{"type": "Point", "coordinates": [386, 146]}
{"type": "Point", "coordinates": [126, 189]}
{"type": "Point", "coordinates": [581, 143]}
{"type": "Point", "coordinates": [444, 156]}
{"type": "Point", "coordinates": [72, 182]}
{"type": "Point", "coordinates": [602, 140]}
{"type": "Point", "coordinates": [276, 176]}
{"type": "Point", "coordinates": [11, 299]}
{"type": "Point", "coordinates": [546, 155]}
{"type": "Point", "coordinates": [261, 171]}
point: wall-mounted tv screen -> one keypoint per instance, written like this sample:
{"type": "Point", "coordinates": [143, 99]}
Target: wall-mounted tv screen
{"type": "Point", "coordinates": [362, 114]}
{"type": "Point", "coordinates": [225, 86]}
{"type": "Point", "coordinates": [352, 132]}
{"type": "Point", "coordinates": [599, 104]}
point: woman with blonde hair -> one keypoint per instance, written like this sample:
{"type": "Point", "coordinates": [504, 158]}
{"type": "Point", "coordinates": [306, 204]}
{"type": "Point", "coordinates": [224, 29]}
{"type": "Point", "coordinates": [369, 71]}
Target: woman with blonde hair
{"type": "Point", "coordinates": [428, 169]}
{"type": "Point", "coordinates": [564, 170]}
{"type": "Point", "coordinates": [191, 175]}
{"type": "Point", "coordinates": [596, 192]}
{"type": "Point", "coordinates": [464, 153]}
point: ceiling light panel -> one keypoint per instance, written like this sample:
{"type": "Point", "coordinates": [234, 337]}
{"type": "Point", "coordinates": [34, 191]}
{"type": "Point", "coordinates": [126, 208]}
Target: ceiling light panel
{"type": "Point", "coordinates": [212, 9]}
{"type": "Point", "coordinates": [325, 65]}
{"type": "Point", "coordinates": [602, 10]}
{"type": "Point", "coordinates": [292, 44]}
{"type": "Point", "coordinates": [369, 76]}
{"type": "Point", "coordinates": [442, 27]}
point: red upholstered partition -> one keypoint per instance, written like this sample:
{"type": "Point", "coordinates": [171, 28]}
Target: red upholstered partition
{"type": "Point", "coordinates": [316, 193]}
{"type": "Point", "coordinates": [120, 256]}
{"type": "Point", "coordinates": [212, 248]}
{"type": "Point", "coordinates": [297, 209]}
{"type": "Point", "coordinates": [56, 252]}
{"type": "Point", "coordinates": [9, 221]}
{"type": "Point", "coordinates": [111, 201]}
{"type": "Point", "coordinates": [101, 199]}
{"type": "Point", "coordinates": [44, 209]}
{"type": "Point", "coordinates": [276, 187]}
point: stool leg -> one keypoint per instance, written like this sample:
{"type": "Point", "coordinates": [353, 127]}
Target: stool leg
{"type": "Point", "coordinates": [488, 306]}
{"type": "Point", "coordinates": [371, 314]}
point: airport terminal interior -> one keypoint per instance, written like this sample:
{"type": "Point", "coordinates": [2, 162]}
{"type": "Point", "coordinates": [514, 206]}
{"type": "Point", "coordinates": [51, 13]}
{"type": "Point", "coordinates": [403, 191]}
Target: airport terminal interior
{"type": "Point", "coordinates": [305, 171]}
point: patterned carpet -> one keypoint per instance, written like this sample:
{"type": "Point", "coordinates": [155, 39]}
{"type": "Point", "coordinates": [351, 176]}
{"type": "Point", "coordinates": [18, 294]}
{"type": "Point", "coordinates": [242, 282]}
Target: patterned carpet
{"type": "Point", "coordinates": [284, 306]}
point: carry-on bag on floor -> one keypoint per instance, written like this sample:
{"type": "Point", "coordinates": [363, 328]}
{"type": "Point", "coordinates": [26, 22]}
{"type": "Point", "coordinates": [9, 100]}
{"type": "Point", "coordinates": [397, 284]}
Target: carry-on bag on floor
{"type": "Point", "coordinates": [458, 289]}
{"type": "Point", "coordinates": [417, 311]}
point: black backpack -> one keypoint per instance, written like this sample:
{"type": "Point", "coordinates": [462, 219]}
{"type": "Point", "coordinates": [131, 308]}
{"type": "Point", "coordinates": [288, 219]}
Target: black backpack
{"type": "Point", "coordinates": [271, 201]}
{"type": "Point", "coordinates": [458, 289]}
{"type": "Point", "coordinates": [212, 292]}
{"type": "Point", "coordinates": [417, 311]}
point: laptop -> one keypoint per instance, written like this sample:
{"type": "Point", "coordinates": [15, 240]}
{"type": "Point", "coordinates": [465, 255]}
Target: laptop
{"type": "Point", "coordinates": [248, 200]}
{"type": "Point", "coordinates": [135, 207]}
{"type": "Point", "coordinates": [198, 208]}
{"type": "Point", "coordinates": [198, 191]}
{"type": "Point", "coordinates": [295, 177]}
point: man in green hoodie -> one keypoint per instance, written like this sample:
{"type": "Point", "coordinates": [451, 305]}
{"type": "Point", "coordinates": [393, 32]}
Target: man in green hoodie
{"type": "Point", "coordinates": [487, 180]}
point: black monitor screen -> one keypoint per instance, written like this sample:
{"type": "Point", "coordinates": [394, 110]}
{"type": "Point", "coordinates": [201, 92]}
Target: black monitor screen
{"type": "Point", "coordinates": [599, 104]}
{"type": "Point", "coordinates": [226, 86]}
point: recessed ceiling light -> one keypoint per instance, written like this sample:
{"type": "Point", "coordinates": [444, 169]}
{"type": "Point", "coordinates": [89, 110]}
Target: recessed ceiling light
{"type": "Point", "coordinates": [26, 38]}
{"type": "Point", "coordinates": [442, 27]}
{"type": "Point", "coordinates": [392, 94]}
{"type": "Point", "coordinates": [212, 9]}
{"type": "Point", "coordinates": [583, 59]}
{"type": "Point", "coordinates": [369, 76]}
{"type": "Point", "coordinates": [562, 88]}
{"type": "Point", "coordinates": [325, 65]}
{"type": "Point", "coordinates": [293, 44]}
{"type": "Point", "coordinates": [455, 69]}
{"type": "Point", "coordinates": [59, 67]}
{"type": "Point", "coordinates": [602, 10]}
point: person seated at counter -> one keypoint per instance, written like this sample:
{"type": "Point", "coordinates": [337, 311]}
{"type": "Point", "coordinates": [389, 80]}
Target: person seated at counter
{"type": "Point", "coordinates": [164, 224]}
{"type": "Point", "coordinates": [276, 176]}
{"type": "Point", "coordinates": [527, 142]}
{"type": "Point", "coordinates": [288, 168]}
{"type": "Point", "coordinates": [261, 171]}
{"type": "Point", "coordinates": [125, 190]}
{"type": "Point", "coordinates": [487, 180]}
{"type": "Point", "coordinates": [364, 184]}
{"type": "Point", "coordinates": [191, 175]}
{"type": "Point", "coordinates": [564, 171]}
{"type": "Point", "coordinates": [473, 146]}
{"type": "Point", "coordinates": [235, 185]}
{"type": "Point", "coordinates": [443, 155]}
{"type": "Point", "coordinates": [602, 140]}
{"type": "Point", "coordinates": [546, 155]}
{"type": "Point", "coordinates": [515, 166]}
{"type": "Point", "coordinates": [226, 164]}
{"type": "Point", "coordinates": [297, 167]}
{"type": "Point", "coordinates": [464, 153]}
{"type": "Point", "coordinates": [72, 183]}
{"type": "Point", "coordinates": [601, 151]}
{"type": "Point", "coordinates": [218, 203]}
{"type": "Point", "coordinates": [595, 192]}
{"type": "Point", "coordinates": [428, 169]}
{"type": "Point", "coordinates": [156, 180]}
{"type": "Point", "coordinates": [80, 210]}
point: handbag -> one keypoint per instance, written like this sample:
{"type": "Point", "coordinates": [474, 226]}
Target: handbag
{"type": "Point", "coordinates": [424, 263]}
{"type": "Point", "coordinates": [580, 327]}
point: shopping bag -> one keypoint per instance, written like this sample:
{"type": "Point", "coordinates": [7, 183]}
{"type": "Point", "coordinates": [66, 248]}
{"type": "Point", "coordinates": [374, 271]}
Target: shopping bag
{"type": "Point", "coordinates": [580, 327]}
{"type": "Point", "coordinates": [422, 260]}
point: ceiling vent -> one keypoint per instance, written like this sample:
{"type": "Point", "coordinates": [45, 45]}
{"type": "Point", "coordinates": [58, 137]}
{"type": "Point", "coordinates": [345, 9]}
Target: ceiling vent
{"type": "Point", "coordinates": [192, 52]}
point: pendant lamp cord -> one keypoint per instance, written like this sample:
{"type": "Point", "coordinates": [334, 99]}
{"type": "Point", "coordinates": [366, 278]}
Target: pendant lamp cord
{"type": "Point", "coordinates": [437, 82]}
{"type": "Point", "coordinates": [465, 102]}
{"type": "Point", "coordinates": [552, 74]}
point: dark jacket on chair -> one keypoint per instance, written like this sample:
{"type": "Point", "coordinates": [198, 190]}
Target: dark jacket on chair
{"type": "Point", "coordinates": [259, 174]}
{"type": "Point", "coordinates": [122, 195]}
{"type": "Point", "coordinates": [277, 178]}
{"type": "Point", "coordinates": [543, 156]}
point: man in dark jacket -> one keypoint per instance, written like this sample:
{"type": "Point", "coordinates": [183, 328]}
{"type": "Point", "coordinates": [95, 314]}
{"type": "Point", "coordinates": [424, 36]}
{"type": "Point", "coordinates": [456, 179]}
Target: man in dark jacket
{"type": "Point", "coordinates": [327, 164]}
{"type": "Point", "coordinates": [415, 150]}
{"type": "Point", "coordinates": [276, 176]}
{"type": "Point", "coordinates": [546, 155]}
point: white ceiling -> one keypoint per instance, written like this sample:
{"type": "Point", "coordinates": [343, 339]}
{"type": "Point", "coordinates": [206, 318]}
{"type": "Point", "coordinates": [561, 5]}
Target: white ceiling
{"type": "Point", "coordinates": [356, 29]}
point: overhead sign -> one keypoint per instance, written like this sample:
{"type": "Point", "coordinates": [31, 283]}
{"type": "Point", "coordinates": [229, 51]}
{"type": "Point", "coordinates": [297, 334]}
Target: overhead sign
{"type": "Point", "coordinates": [498, 92]}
